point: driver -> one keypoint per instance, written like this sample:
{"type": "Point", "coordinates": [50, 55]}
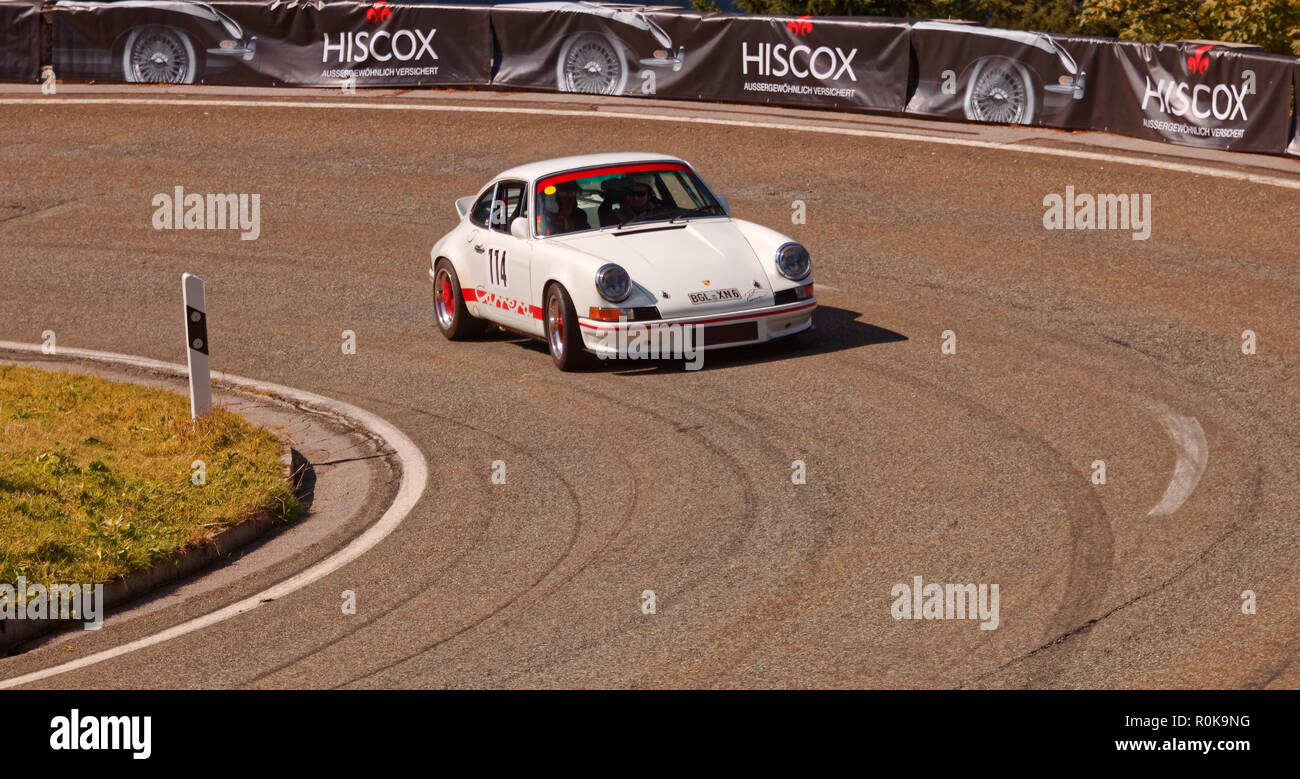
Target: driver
{"type": "Point", "coordinates": [636, 202]}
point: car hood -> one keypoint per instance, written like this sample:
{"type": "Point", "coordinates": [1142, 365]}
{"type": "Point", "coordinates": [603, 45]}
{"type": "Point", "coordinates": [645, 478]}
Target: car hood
{"type": "Point", "coordinates": [702, 255]}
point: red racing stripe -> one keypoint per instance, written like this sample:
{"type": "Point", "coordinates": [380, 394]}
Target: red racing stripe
{"type": "Point", "coordinates": [642, 167]}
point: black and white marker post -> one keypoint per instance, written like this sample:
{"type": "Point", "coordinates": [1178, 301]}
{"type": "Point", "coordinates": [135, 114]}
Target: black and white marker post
{"type": "Point", "coordinates": [196, 337]}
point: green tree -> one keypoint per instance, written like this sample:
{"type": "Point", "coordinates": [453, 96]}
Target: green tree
{"type": "Point", "coordinates": [1273, 24]}
{"type": "Point", "coordinates": [1019, 14]}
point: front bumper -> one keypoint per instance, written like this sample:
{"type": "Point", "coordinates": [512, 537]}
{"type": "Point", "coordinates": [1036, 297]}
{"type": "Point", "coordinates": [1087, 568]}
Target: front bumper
{"type": "Point", "coordinates": [716, 331]}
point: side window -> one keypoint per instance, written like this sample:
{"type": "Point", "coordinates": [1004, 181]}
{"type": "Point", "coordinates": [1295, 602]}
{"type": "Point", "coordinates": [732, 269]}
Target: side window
{"type": "Point", "coordinates": [509, 204]}
{"type": "Point", "coordinates": [482, 208]}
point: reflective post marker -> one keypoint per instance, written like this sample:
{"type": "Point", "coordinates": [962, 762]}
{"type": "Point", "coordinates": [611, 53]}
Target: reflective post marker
{"type": "Point", "coordinates": [196, 338]}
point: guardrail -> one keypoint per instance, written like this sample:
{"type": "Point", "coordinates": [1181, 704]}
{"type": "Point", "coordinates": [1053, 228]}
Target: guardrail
{"type": "Point", "coordinates": [1207, 94]}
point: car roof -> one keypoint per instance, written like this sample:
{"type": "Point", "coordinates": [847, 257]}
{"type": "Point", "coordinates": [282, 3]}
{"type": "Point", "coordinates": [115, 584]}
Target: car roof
{"type": "Point", "coordinates": [535, 170]}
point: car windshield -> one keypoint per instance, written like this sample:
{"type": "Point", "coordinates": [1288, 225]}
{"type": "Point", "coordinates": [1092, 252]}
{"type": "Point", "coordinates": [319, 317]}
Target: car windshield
{"type": "Point", "coordinates": [620, 195]}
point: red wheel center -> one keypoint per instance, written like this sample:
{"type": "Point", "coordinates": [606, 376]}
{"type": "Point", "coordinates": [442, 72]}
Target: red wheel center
{"type": "Point", "coordinates": [446, 293]}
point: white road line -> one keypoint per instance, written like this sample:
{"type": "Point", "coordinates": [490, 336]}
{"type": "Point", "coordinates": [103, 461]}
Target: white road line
{"type": "Point", "coordinates": [1193, 454]}
{"type": "Point", "coordinates": [414, 477]}
{"type": "Point", "coordinates": [1254, 178]}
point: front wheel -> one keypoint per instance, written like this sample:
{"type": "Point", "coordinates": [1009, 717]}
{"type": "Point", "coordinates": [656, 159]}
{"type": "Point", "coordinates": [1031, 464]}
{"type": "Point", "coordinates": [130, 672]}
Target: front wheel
{"type": "Point", "coordinates": [562, 335]}
{"type": "Point", "coordinates": [1000, 90]}
{"type": "Point", "coordinates": [155, 54]}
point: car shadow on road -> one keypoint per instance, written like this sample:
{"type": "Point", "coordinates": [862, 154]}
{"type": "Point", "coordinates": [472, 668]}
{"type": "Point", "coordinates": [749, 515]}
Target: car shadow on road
{"type": "Point", "coordinates": [837, 329]}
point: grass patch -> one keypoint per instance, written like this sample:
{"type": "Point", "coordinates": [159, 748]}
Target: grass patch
{"type": "Point", "coordinates": [95, 476]}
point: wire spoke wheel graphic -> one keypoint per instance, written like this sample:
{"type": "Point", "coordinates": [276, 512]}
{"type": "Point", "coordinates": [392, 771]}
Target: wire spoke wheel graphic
{"type": "Point", "coordinates": [999, 92]}
{"type": "Point", "coordinates": [155, 54]}
{"type": "Point", "coordinates": [591, 63]}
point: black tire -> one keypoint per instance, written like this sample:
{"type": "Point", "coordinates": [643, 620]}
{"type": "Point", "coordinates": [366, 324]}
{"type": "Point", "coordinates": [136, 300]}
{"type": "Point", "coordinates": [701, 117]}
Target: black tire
{"type": "Point", "coordinates": [454, 320]}
{"type": "Point", "coordinates": [563, 338]}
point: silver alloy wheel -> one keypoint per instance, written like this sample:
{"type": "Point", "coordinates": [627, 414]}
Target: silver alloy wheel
{"type": "Point", "coordinates": [555, 325]}
{"type": "Point", "coordinates": [444, 299]}
{"type": "Point", "coordinates": [999, 92]}
{"type": "Point", "coordinates": [591, 63]}
{"type": "Point", "coordinates": [155, 54]}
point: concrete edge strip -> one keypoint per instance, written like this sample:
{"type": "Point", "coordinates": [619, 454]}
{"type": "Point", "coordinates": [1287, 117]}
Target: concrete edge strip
{"type": "Point", "coordinates": [1179, 167]}
{"type": "Point", "coordinates": [413, 481]}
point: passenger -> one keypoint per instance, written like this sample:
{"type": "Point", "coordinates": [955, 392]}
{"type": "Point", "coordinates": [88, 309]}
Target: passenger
{"type": "Point", "coordinates": [567, 217]}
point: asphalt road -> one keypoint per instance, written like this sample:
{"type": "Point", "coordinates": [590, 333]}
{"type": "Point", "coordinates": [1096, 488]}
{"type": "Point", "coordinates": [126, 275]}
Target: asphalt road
{"type": "Point", "coordinates": [971, 467]}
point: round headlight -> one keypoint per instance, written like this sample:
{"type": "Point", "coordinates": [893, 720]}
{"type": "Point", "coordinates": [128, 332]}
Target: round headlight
{"type": "Point", "coordinates": [613, 283]}
{"type": "Point", "coordinates": [793, 262]}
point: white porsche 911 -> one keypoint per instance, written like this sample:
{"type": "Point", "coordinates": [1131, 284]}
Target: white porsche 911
{"type": "Point", "coordinates": [617, 255]}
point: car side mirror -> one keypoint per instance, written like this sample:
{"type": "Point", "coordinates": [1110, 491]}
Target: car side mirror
{"type": "Point", "coordinates": [722, 201]}
{"type": "Point", "coordinates": [519, 228]}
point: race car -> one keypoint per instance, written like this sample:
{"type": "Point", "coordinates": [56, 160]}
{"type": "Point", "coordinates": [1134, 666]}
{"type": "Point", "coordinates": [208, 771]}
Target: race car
{"type": "Point", "coordinates": [605, 253]}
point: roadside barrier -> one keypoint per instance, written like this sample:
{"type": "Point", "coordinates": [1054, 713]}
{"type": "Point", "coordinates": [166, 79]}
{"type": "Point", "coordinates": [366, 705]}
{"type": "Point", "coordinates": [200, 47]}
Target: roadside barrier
{"type": "Point", "coordinates": [1196, 93]}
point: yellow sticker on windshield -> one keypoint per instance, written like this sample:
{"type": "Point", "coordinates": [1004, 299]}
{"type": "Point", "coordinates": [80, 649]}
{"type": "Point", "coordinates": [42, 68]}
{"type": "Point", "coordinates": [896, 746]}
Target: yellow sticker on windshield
{"type": "Point", "coordinates": [550, 190]}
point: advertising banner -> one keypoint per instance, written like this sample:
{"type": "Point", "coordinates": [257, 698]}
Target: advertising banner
{"type": "Point", "coordinates": [1221, 96]}
{"type": "Point", "coordinates": [377, 43]}
{"type": "Point", "coordinates": [20, 40]}
{"type": "Point", "coordinates": [1190, 93]}
{"type": "Point", "coordinates": [1294, 148]}
{"type": "Point", "coordinates": [980, 74]}
{"type": "Point", "coordinates": [1196, 94]}
{"type": "Point", "coordinates": [633, 50]}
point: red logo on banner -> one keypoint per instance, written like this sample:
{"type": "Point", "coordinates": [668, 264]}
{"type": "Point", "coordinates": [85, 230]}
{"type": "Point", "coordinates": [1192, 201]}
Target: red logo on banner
{"type": "Point", "coordinates": [379, 12]}
{"type": "Point", "coordinates": [800, 26]}
{"type": "Point", "coordinates": [1198, 63]}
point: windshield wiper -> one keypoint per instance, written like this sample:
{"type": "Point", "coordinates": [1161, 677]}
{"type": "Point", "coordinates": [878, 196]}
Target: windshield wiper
{"type": "Point", "coordinates": [642, 218]}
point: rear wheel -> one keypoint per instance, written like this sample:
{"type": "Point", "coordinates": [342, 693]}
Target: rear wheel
{"type": "Point", "coordinates": [454, 320]}
{"type": "Point", "coordinates": [562, 335]}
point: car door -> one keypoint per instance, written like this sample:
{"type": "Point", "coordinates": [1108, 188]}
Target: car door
{"type": "Point", "coordinates": [503, 261]}
{"type": "Point", "coordinates": [472, 256]}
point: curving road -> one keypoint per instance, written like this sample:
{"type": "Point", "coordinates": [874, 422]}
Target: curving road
{"type": "Point", "coordinates": [969, 467]}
